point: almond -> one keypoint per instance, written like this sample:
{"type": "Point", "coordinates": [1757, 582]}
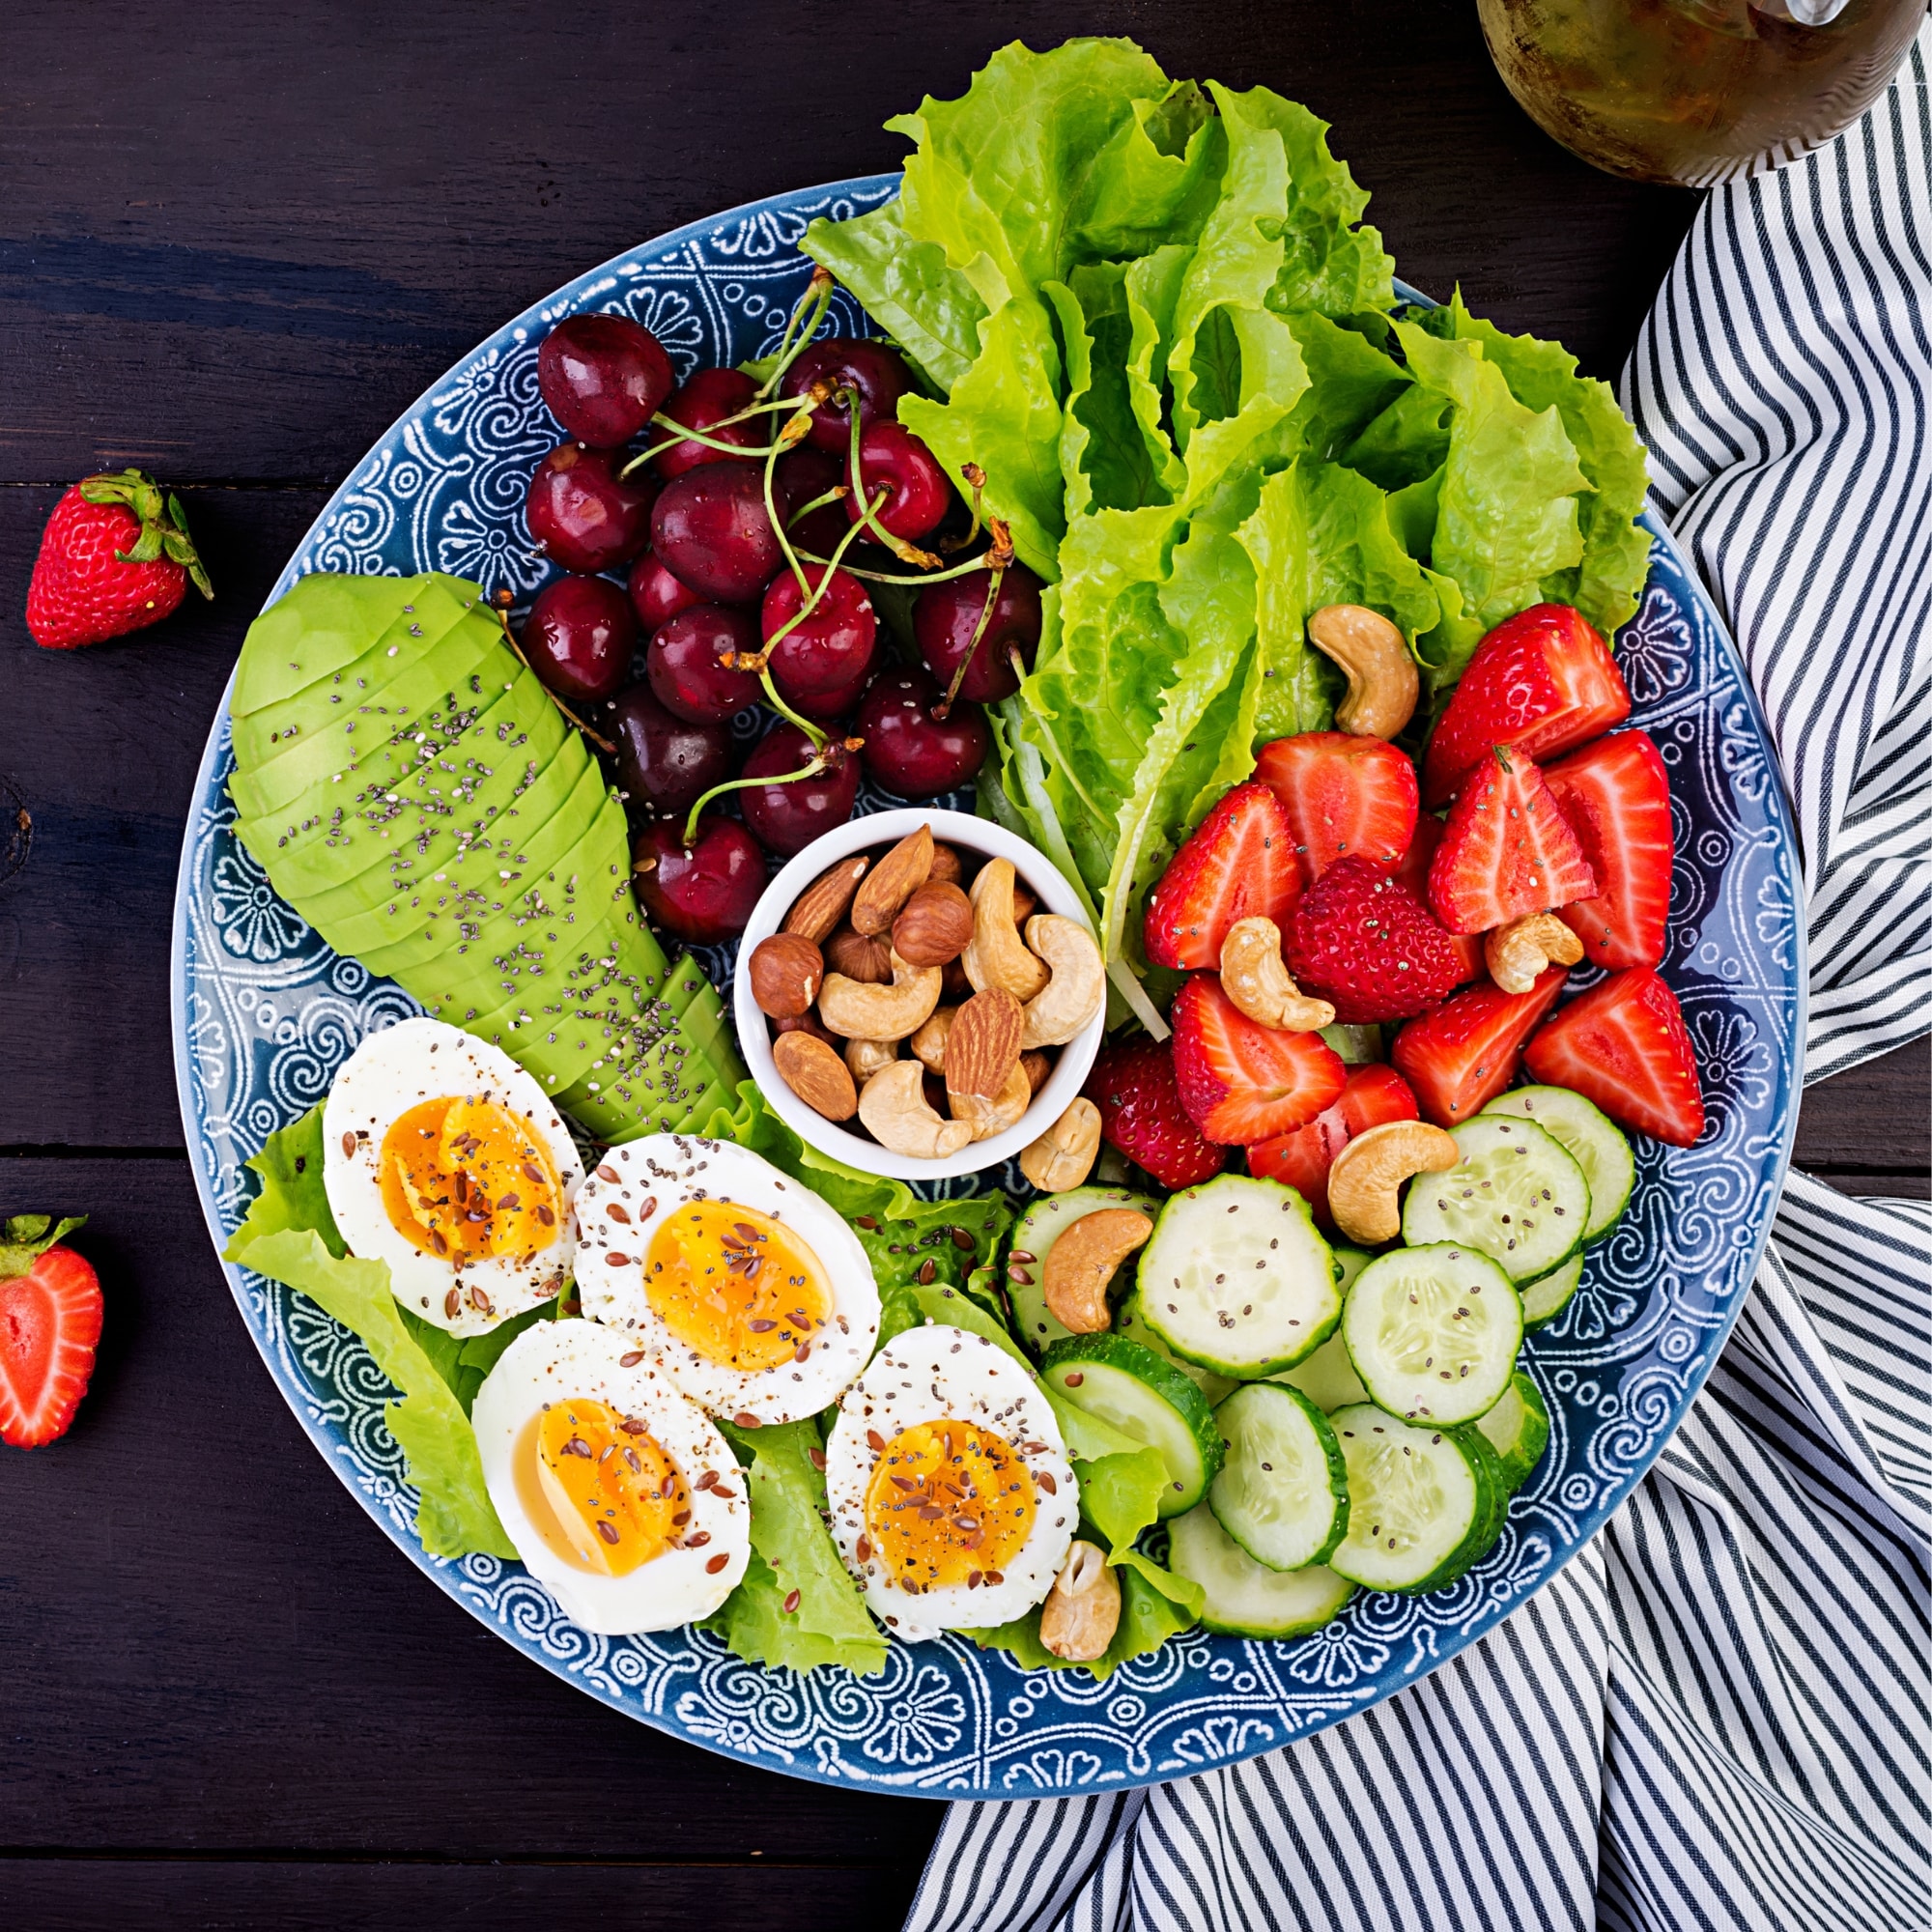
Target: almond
{"type": "Point", "coordinates": [816, 1074]}
{"type": "Point", "coordinates": [818, 909]}
{"type": "Point", "coordinates": [786, 971]}
{"type": "Point", "coordinates": [935, 925]}
{"type": "Point", "coordinates": [859, 958]}
{"type": "Point", "coordinates": [892, 882]}
{"type": "Point", "coordinates": [983, 1045]}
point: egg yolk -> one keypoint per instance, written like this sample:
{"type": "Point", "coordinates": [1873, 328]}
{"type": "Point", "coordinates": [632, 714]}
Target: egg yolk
{"type": "Point", "coordinates": [617, 1497]}
{"type": "Point", "coordinates": [949, 1503]}
{"type": "Point", "coordinates": [464, 1178]}
{"type": "Point", "coordinates": [736, 1285]}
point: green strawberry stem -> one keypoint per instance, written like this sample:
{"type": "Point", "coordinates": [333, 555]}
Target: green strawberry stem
{"type": "Point", "coordinates": [163, 522]}
{"type": "Point", "coordinates": [27, 1237]}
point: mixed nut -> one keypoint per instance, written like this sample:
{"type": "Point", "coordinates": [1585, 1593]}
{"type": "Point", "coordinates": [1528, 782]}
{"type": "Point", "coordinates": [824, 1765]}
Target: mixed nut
{"type": "Point", "coordinates": [931, 1006]}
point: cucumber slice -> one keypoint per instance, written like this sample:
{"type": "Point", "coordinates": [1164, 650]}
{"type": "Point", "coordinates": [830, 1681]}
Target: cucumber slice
{"type": "Point", "coordinates": [1422, 1503]}
{"type": "Point", "coordinates": [1595, 1142]}
{"type": "Point", "coordinates": [1236, 1279]}
{"type": "Point", "coordinates": [1034, 1236]}
{"type": "Point", "coordinates": [1142, 1397]}
{"type": "Point", "coordinates": [1283, 1490]}
{"type": "Point", "coordinates": [1516, 1196]}
{"type": "Point", "coordinates": [1433, 1331]}
{"type": "Point", "coordinates": [1243, 1597]}
{"type": "Point", "coordinates": [1546, 1299]}
{"type": "Point", "coordinates": [1131, 1321]}
{"type": "Point", "coordinates": [1517, 1429]}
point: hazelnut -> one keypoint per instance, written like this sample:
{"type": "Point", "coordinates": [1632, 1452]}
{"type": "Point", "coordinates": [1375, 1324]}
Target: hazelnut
{"type": "Point", "coordinates": [786, 972]}
{"type": "Point", "coordinates": [934, 927]}
{"type": "Point", "coordinates": [808, 1022]}
{"type": "Point", "coordinates": [857, 957]}
{"type": "Point", "coordinates": [1036, 1066]}
{"type": "Point", "coordinates": [948, 867]}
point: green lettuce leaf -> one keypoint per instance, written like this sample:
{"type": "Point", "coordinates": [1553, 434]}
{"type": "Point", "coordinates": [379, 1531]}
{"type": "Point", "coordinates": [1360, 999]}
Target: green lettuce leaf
{"type": "Point", "coordinates": [1155, 180]}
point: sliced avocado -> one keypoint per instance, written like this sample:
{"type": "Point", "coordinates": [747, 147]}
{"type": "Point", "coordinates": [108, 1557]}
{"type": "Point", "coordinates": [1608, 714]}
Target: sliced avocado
{"type": "Point", "coordinates": [473, 760]}
{"type": "Point", "coordinates": [324, 622]}
{"type": "Point", "coordinates": [418, 620]}
{"type": "Point", "coordinates": [470, 657]}
{"type": "Point", "coordinates": [675, 1100]}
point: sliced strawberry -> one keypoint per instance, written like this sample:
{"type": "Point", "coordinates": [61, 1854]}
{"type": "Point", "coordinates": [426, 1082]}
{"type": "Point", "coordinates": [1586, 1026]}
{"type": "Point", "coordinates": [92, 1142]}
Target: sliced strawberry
{"type": "Point", "coordinates": [1624, 1045]}
{"type": "Point", "coordinates": [1368, 946]}
{"type": "Point", "coordinates": [1541, 681]}
{"type": "Point", "coordinates": [1241, 1082]}
{"type": "Point", "coordinates": [49, 1322]}
{"type": "Point", "coordinates": [1507, 850]}
{"type": "Point", "coordinates": [1413, 873]}
{"type": "Point", "coordinates": [1141, 1114]}
{"type": "Point", "coordinates": [1617, 799]}
{"type": "Point", "coordinates": [1344, 797]}
{"type": "Point", "coordinates": [1375, 1094]}
{"type": "Point", "coordinates": [1238, 863]}
{"type": "Point", "coordinates": [1462, 1055]}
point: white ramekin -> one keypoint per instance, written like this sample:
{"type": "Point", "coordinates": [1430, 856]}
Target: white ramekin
{"type": "Point", "coordinates": [985, 840]}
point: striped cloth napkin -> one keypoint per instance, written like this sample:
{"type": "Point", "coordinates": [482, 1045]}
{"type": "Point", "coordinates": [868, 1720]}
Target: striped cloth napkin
{"type": "Point", "coordinates": [1717, 1716]}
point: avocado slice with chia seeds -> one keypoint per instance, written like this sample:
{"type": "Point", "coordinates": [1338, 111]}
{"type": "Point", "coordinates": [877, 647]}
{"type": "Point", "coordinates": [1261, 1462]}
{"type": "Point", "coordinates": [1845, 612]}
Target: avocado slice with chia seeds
{"type": "Point", "coordinates": [324, 623]}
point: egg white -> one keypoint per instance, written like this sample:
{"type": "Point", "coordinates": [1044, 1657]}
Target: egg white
{"type": "Point", "coordinates": [937, 1373]}
{"type": "Point", "coordinates": [554, 1361]}
{"type": "Point", "coordinates": [634, 1188]}
{"type": "Point", "coordinates": [390, 1072]}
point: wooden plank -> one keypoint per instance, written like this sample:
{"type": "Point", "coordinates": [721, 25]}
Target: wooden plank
{"type": "Point", "coordinates": [211, 1647]}
{"type": "Point", "coordinates": [1876, 1117]}
{"type": "Point", "coordinates": [82, 1896]}
{"type": "Point", "coordinates": [251, 271]}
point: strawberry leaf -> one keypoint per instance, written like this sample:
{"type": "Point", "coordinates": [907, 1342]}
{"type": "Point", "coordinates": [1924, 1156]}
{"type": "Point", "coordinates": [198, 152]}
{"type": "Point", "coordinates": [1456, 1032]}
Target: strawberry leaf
{"type": "Point", "coordinates": [28, 1236]}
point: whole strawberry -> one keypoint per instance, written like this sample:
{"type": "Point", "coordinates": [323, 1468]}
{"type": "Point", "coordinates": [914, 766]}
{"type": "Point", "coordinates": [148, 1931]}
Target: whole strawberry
{"type": "Point", "coordinates": [115, 555]}
{"type": "Point", "coordinates": [1368, 945]}
{"type": "Point", "coordinates": [1141, 1114]}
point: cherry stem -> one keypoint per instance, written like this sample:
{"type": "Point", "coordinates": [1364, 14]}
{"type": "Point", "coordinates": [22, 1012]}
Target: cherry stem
{"type": "Point", "coordinates": [976, 481]}
{"type": "Point", "coordinates": [798, 332]}
{"type": "Point", "coordinates": [869, 517]}
{"type": "Point", "coordinates": [502, 602]}
{"type": "Point", "coordinates": [836, 494]}
{"type": "Point", "coordinates": [807, 771]}
{"type": "Point", "coordinates": [985, 560]}
{"type": "Point", "coordinates": [944, 708]}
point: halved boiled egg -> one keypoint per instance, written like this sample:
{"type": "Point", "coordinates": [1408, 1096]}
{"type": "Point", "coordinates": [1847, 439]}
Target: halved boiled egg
{"type": "Point", "coordinates": [749, 1289]}
{"type": "Point", "coordinates": [951, 1498]}
{"type": "Point", "coordinates": [442, 1156]}
{"type": "Point", "coordinates": [621, 1497]}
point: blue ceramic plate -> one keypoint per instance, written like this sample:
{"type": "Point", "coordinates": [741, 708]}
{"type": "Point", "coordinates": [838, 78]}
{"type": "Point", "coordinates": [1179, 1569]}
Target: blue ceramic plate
{"type": "Point", "coordinates": [264, 1012]}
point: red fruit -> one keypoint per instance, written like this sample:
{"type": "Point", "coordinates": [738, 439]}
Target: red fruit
{"type": "Point", "coordinates": [702, 402]}
{"type": "Point", "coordinates": [1623, 1044]}
{"type": "Point", "coordinates": [705, 892]}
{"type": "Point", "coordinates": [1374, 1096]}
{"type": "Point", "coordinates": [584, 513]}
{"type": "Point", "coordinates": [1346, 797]}
{"type": "Point", "coordinates": [656, 595]}
{"type": "Point", "coordinates": [1141, 1114]}
{"type": "Point", "coordinates": [1617, 800]}
{"type": "Point", "coordinates": [892, 458]}
{"type": "Point", "coordinates": [115, 556]}
{"type": "Point", "coordinates": [876, 373]}
{"type": "Point", "coordinates": [822, 658]}
{"type": "Point", "coordinates": [1507, 850]}
{"type": "Point", "coordinates": [1413, 873]}
{"type": "Point", "coordinates": [1241, 1082]}
{"type": "Point", "coordinates": [1368, 945]}
{"type": "Point", "coordinates": [1540, 681]}
{"type": "Point", "coordinates": [603, 376]}
{"type": "Point", "coordinates": [1238, 863]}
{"type": "Point", "coordinates": [49, 1322]}
{"type": "Point", "coordinates": [1465, 1053]}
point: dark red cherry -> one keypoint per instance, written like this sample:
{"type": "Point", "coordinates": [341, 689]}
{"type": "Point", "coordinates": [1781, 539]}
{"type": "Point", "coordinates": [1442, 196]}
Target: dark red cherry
{"type": "Point", "coordinates": [604, 377]}
{"type": "Point", "coordinates": [578, 638]}
{"type": "Point", "coordinates": [582, 514]}
{"type": "Point", "coordinates": [788, 818]}
{"type": "Point", "coordinates": [945, 615]}
{"type": "Point", "coordinates": [804, 474]}
{"type": "Point", "coordinates": [891, 457]}
{"type": "Point", "coordinates": [664, 764]}
{"type": "Point", "coordinates": [705, 398]}
{"type": "Point", "coordinates": [706, 894]}
{"type": "Point", "coordinates": [820, 664]}
{"type": "Point", "coordinates": [656, 595]}
{"type": "Point", "coordinates": [876, 372]}
{"type": "Point", "coordinates": [909, 751]}
{"type": "Point", "coordinates": [711, 531]}
{"type": "Point", "coordinates": [682, 664]}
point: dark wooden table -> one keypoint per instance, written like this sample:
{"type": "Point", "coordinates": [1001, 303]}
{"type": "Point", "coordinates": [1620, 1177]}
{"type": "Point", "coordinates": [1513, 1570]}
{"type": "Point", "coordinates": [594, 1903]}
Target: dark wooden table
{"type": "Point", "coordinates": [234, 244]}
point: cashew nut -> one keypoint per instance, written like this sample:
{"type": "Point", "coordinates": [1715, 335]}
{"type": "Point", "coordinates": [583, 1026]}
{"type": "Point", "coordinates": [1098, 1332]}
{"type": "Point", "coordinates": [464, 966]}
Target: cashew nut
{"type": "Point", "coordinates": [1516, 953]}
{"type": "Point", "coordinates": [1366, 1180]}
{"type": "Point", "coordinates": [855, 1009]}
{"type": "Point", "coordinates": [894, 1109]}
{"type": "Point", "coordinates": [864, 1057]}
{"type": "Point", "coordinates": [1078, 988]}
{"type": "Point", "coordinates": [1081, 1264]}
{"type": "Point", "coordinates": [996, 955]}
{"type": "Point", "coordinates": [1254, 977]}
{"type": "Point", "coordinates": [1082, 1610]}
{"type": "Point", "coordinates": [1063, 1156]}
{"type": "Point", "coordinates": [1007, 1109]}
{"type": "Point", "coordinates": [1375, 658]}
{"type": "Point", "coordinates": [928, 1042]}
